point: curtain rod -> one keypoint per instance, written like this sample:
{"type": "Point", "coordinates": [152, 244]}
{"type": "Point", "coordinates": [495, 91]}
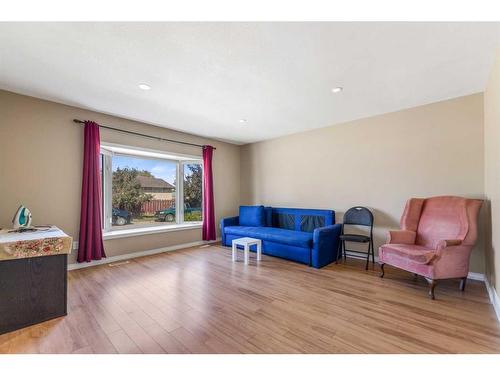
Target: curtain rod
{"type": "Point", "coordinates": [76, 121]}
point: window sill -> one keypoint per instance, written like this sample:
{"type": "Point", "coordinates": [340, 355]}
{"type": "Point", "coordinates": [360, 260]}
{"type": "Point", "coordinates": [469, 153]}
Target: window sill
{"type": "Point", "coordinates": [111, 235]}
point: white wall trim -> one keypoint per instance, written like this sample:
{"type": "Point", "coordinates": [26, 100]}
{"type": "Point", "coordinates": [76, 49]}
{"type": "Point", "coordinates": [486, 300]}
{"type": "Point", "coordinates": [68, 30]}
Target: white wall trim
{"type": "Point", "coordinates": [75, 266]}
{"type": "Point", "coordinates": [359, 256]}
{"type": "Point", "coordinates": [495, 300]}
{"type": "Point", "coordinates": [114, 234]}
{"type": "Point", "coordinates": [149, 153]}
{"type": "Point", "coordinates": [476, 276]}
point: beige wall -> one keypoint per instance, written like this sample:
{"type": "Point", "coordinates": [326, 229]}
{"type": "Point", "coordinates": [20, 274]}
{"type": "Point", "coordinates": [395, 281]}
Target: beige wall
{"type": "Point", "coordinates": [41, 163]}
{"type": "Point", "coordinates": [492, 173]}
{"type": "Point", "coordinates": [378, 162]}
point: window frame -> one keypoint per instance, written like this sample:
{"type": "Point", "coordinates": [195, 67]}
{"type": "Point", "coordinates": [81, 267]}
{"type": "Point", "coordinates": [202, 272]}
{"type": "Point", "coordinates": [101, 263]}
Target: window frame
{"type": "Point", "coordinates": [107, 151]}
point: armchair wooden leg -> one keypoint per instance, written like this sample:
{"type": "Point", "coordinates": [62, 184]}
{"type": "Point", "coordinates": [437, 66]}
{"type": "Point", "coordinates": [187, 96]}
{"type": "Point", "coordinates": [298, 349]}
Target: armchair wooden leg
{"type": "Point", "coordinates": [432, 286]}
{"type": "Point", "coordinates": [382, 269]}
{"type": "Point", "coordinates": [462, 283]}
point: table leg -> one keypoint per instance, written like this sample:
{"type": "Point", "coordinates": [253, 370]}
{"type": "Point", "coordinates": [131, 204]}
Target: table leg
{"type": "Point", "coordinates": [259, 251]}
{"type": "Point", "coordinates": [247, 253]}
{"type": "Point", "coordinates": [235, 256]}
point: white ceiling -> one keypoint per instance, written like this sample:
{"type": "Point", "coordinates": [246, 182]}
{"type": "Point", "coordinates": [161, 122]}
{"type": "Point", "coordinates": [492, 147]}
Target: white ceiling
{"type": "Point", "coordinates": [205, 77]}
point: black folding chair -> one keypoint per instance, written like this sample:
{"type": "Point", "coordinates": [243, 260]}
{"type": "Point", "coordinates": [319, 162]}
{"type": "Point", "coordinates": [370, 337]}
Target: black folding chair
{"type": "Point", "coordinates": [357, 216]}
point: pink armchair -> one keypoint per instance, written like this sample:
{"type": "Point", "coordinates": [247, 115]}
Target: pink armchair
{"type": "Point", "coordinates": [436, 239]}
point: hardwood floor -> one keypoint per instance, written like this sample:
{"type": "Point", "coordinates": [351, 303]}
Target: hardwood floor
{"type": "Point", "coordinates": [198, 301]}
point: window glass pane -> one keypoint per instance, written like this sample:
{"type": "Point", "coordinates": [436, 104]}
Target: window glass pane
{"type": "Point", "coordinates": [193, 182]}
{"type": "Point", "coordinates": [143, 192]}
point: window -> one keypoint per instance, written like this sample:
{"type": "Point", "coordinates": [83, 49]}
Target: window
{"type": "Point", "coordinates": [144, 189]}
{"type": "Point", "coordinates": [193, 193]}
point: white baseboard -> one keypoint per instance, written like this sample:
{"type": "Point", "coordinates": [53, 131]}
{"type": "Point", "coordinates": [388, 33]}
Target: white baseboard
{"type": "Point", "coordinates": [359, 256]}
{"type": "Point", "coordinates": [495, 300]}
{"type": "Point", "coordinates": [75, 266]}
{"type": "Point", "coordinates": [476, 276]}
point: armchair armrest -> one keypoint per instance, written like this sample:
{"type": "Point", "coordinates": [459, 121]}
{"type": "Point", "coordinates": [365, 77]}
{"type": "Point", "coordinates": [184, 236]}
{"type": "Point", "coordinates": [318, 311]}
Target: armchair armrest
{"type": "Point", "coordinates": [227, 222]}
{"type": "Point", "coordinates": [406, 237]}
{"type": "Point", "coordinates": [325, 245]}
{"type": "Point", "coordinates": [452, 259]}
{"type": "Point", "coordinates": [443, 244]}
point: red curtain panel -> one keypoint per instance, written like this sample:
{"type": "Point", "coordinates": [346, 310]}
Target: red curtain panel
{"type": "Point", "coordinates": [208, 195]}
{"type": "Point", "coordinates": [90, 240]}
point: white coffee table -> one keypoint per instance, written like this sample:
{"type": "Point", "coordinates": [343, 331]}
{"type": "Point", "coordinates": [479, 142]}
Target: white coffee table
{"type": "Point", "coordinates": [246, 242]}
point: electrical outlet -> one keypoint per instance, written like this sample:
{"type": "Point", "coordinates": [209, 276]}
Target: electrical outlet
{"type": "Point", "coordinates": [75, 245]}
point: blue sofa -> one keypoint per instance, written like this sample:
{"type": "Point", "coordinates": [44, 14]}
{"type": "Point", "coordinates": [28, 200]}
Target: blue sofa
{"type": "Point", "coordinates": [302, 235]}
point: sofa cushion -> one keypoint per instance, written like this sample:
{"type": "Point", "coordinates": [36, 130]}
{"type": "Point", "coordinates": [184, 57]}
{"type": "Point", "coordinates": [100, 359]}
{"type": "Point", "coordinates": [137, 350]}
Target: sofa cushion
{"type": "Point", "coordinates": [268, 216]}
{"type": "Point", "coordinates": [283, 220]}
{"type": "Point", "coordinates": [284, 236]}
{"type": "Point", "coordinates": [413, 253]}
{"type": "Point", "coordinates": [308, 223]}
{"type": "Point", "coordinates": [252, 216]}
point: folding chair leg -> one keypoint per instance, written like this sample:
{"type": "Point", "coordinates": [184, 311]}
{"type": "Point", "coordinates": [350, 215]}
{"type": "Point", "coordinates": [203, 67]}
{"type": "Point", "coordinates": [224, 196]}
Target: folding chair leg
{"type": "Point", "coordinates": [339, 251]}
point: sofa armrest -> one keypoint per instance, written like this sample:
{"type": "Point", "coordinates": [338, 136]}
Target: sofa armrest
{"type": "Point", "coordinates": [325, 245]}
{"type": "Point", "coordinates": [230, 221]}
{"type": "Point", "coordinates": [227, 222]}
{"type": "Point", "coordinates": [406, 237]}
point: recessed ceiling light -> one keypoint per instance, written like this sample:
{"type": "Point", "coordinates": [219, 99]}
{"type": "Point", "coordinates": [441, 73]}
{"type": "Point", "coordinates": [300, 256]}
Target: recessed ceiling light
{"type": "Point", "coordinates": [144, 86]}
{"type": "Point", "coordinates": [243, 120]}
{"type": "Point", "coordinates": [336, 90]}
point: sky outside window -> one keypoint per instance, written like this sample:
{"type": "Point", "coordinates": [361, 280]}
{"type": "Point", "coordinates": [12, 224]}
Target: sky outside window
{"type": "Point", "coordinates": [163, 169]}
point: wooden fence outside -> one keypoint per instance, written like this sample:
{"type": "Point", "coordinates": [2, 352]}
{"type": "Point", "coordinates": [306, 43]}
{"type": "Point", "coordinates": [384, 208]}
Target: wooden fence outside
{"type": "Point", "coordinates": [156, 204]}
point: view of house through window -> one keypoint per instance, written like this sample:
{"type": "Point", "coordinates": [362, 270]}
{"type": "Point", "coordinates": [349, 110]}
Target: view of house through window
{"type": "Point", "coordinates": [142, 191]}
